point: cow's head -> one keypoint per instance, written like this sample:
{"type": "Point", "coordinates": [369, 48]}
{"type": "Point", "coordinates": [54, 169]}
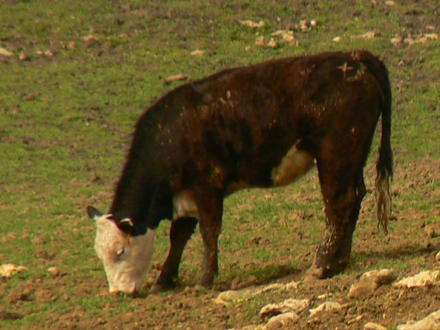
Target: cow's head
{"type": "Point", "coordinates": [126, 258]}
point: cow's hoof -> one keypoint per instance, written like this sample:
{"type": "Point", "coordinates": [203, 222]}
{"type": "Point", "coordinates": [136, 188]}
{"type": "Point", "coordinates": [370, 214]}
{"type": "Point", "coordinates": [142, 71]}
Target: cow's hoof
{"type": "Point", "coordinates": [207, 280]}
{"type": "Point", "coordinates": [157, 288]}
{"type": "Point", "coordinates": [162, 286]}
{"type": "Point", "coordinates": [314, 273]}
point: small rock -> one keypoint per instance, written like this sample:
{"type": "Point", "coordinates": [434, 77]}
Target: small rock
{"type": "Point", "coordinates": [422, 279]}
{"type": "Point", "coordinates": [287, 306]}
{"type": "Point", "coordinates": [292, 285]}
{"type": "Point", "coordinates": [89, 38]}
{"type": "Point", "coordinates": [261, 41]}
{"type": "Point", "coordinates": [226, 297]}
{"type": "Point", "coordinates": [304, 24]}
{"type": "Point", "coordinates": [327, 306]}
{"type": "Point", "coordinates": [397, 40]}
{"type": "Point", "coordinates": [374, 326]}
{"type": "Point", "coordinates": [437, 256]}
{"type": "Point", "coordinates": [368, 35]}
{"type": "Point", "coordinates": [5, 52]}
{"type": "Point", "coordinates": [7, 270]}
{"type": "Point", "coordinates": [390, 3]}
{"type": "Point", "coordinates": [370, 281]}
{"type": "Point", "coordinates": [272, 43]}
{"type": "Point", "coordinates": [431, 322]}
{"type": "Point", "coordinates": [283, 321]}
{"type": "Point", "coordinates": [55, 271]}
{"type": "Point", "coordinates": [253, 24]}
{"type": "Point", "coordinates": [356, 319]}
{"type": "Point", "coordinates": [198, 52]}
{"type": "Point", "coordinates": [23, 57]}
{"type": "Point", "coordinates": [337, 39]}
{"type": "Point", "coordinates": [176, 77]}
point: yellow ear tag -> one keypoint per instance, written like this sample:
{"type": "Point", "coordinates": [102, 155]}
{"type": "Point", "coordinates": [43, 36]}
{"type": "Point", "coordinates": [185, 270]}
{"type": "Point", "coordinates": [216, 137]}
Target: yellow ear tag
{"type": "Point", "coordinates": [128, 238]}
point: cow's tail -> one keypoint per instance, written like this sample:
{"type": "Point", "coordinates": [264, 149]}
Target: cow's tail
{"type": "Point", "coordinates": [384, 165]}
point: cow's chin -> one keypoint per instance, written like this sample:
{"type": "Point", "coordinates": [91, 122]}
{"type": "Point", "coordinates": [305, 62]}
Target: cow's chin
{"type": "Point", "coordinates": [129, 288]}
{"type": "Point", "coordinates": [125, 283]}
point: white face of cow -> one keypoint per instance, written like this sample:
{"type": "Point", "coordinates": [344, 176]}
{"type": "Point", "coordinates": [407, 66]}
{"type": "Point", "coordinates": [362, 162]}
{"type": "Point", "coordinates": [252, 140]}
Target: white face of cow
{"type": "Point", "coordinates": [126, 259]}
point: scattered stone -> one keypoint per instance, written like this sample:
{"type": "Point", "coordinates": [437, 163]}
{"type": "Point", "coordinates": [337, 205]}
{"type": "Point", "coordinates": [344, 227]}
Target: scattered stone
{"type": "Point", "coordinates": [356, 319]}
{"type": "Point", "coordinates": [253, 24]}
{"type": "Point", "coordinates": [374, 326]}
{"type": "Point", "coordinates": [431, 322]}
{"type": "Point", "coordinates": [325, 296]}
{"type": "Point", "coordinates": [437, 256]}
{"type": "Point", "coordinates": [198, 52]}
{"type": "Point", "coordinates": [7, 270]}
{"type": "Point", "coordinates": [272, 43]}
{"type": "Point", "coordinates": [287, 306]}
{"type": "Point", "coordinates": [227, 297]}
{"type": "Point", "coordinates": [55, 271]}
{"type": "Point", "coordinates": [283, 321]}
{"type": "Point", "coordinates": [337, 39]}
{"type": "Point", "coordinates": [177, 77]}
{"type": "Point", "coordinates": [327, 306]}
{"type": "Point", "coordinates": [261, 41]}
{"type": "Point", "coordinates": [421, 39]}
{"type": "Point", "coordinates": [397, 40]}
{"type": "Point", "coordinates": [292, 285]}
{"type": "Point", "coordinates": [368, 35]}
{"type": "Point", "coordinates": [5, 52]}
{"type": "Point", "coordinates": [90, 38]}
{"type": "Point", "coordinates": [287, 35]}
{"type": "Point", "coordinates": [422, 279]}
{"type": "Point", "coordinates": [390, 3]}
{"type": "Point", "coordinates": [304, 25]}
{"type": "Point", "coordinates": [23, 57]}
{"type": "Point", "coordinates": [370, 281]}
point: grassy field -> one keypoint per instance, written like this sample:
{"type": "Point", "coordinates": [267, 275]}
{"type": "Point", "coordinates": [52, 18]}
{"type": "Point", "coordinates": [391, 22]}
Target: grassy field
{"type": "Point", "coordinates": [75, 76]}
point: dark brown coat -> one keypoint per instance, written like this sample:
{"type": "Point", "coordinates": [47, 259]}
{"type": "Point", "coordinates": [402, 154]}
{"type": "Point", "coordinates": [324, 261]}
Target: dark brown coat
{"type": "Point", "coordinates": [210, 137]}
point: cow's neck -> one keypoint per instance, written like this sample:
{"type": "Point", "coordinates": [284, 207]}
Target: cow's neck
{"type": "Point", "coordinates": [133, 196]}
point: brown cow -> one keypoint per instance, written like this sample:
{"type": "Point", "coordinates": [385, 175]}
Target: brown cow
{"type": "Point", "coordinates": [263, 125]}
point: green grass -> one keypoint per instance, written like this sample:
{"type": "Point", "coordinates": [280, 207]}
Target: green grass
{"type": "Point", "coordinates": [66, 122]}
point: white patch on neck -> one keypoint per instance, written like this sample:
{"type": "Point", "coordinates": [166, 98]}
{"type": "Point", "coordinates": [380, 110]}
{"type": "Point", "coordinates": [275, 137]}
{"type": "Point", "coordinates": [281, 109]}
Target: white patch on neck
{"type": "Point", "coordinates": [184, 206]}
{"type": "Point", "coordinates": [294, 165]}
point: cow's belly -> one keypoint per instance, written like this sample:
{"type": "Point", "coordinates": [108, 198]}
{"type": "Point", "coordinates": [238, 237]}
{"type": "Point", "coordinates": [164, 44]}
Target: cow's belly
{"type": "Point", "coordinates": [293, 165]}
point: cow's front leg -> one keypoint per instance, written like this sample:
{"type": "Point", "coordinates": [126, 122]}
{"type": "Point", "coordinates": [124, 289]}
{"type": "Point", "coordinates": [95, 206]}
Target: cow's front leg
{"type": "Point", "coordinates": [180, 232]}
{"type": "Point", "coordinates": [210, 208]}
{"type": "Point", "coordinates": [343, 199]}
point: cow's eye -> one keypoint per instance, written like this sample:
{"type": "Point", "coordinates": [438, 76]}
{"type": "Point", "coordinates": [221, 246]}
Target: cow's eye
{"type": "Point", "coordinates": [120, 252]}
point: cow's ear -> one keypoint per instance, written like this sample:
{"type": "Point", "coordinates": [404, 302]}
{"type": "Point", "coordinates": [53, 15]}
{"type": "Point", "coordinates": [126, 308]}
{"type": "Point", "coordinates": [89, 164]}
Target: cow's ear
{"type": "Point", "coordinates": [126, 225]}
{"type": "Point", "coordinates": [93, 212]}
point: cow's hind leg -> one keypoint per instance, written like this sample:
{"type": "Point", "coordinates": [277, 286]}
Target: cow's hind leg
{"type": "Point", "coordinates": [343, 189]}
{"type": "Point", "coordinates": [180, 232]}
